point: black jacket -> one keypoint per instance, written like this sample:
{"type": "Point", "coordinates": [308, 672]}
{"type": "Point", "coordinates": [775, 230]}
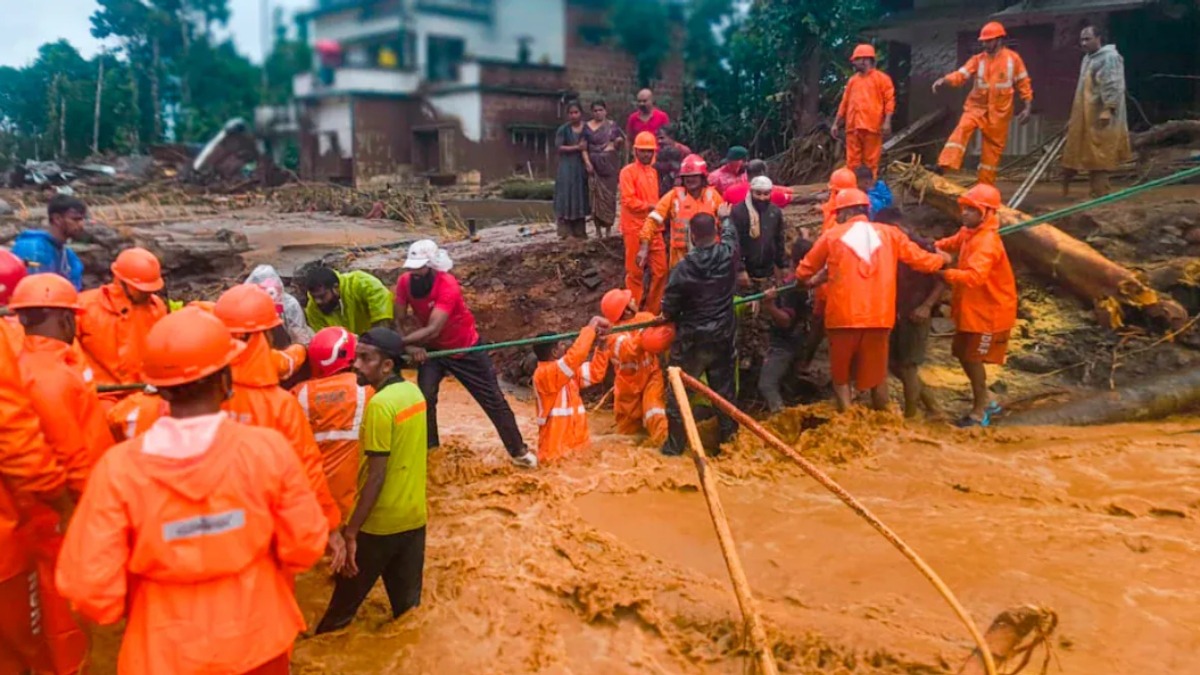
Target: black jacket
{"type": "Point", "coordinates": [699, 295]}
{"type": "Point", "coordinates": [761, 256]}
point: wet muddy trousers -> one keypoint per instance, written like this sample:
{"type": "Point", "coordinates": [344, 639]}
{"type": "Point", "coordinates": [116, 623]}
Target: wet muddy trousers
{"type": "Point", "coordinates": [716, 362]}
{"type": "Point", "coordinates": [476, 373]}
{"type": "Point", "coordinates": [776, 366]}
{"type": "Point", "coordinates": [398, 558]}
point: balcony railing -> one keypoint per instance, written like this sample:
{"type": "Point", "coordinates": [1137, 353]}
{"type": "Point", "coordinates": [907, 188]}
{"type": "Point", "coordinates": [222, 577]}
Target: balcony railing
{"type": "Point", "coordinates": [475, 9]}
{"type": "Point", "coordinates": [358, 81]}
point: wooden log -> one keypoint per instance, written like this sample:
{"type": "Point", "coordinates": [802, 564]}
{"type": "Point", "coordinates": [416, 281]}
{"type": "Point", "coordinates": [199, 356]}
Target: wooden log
{"type": "Point", "coordinates": [1006, 637]}
{"type": "Point", "coordinates": [1057, 256]}
{"type": "Point", "coordinates": [914, 129]}
{"type": "Point", "coordinates": [1166, 131]}
{"type": "Point", "coordinates": [849, 500]}
{"type": "Point", "coordinates": [737, 575]}
{"type": "Point", "coordinates": [1149, 399]}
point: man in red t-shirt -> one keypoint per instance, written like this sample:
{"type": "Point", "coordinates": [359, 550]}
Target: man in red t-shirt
{"type": "Point", "coordinates": [781, 196]}
{"type": "Point", "coordinates": [647, 117]}
{"type": "Point", "coordinates": [444, 322]}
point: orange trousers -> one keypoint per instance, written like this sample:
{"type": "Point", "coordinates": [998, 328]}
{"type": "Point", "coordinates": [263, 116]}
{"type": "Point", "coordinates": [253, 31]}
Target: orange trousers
{"type": "Point", "coordinates": [994, 136]}
{"type": "Point", "coordinates": [22, 648]}
{"type": "Point", "coordinates": [634, 275]}
{"type": "Point", "coordinates": [645, 409]}
{"type": "Point", "coordinates": [864, 147]}
{"type": "Point", "coordinates": [65, 640]}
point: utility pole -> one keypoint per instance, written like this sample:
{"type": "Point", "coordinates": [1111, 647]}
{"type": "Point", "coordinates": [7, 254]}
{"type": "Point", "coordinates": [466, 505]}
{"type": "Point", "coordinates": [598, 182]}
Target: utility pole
{"type": "Point", "coordinates": [265, 21]}
{"type": "Point", "coordinates": [96, 115]}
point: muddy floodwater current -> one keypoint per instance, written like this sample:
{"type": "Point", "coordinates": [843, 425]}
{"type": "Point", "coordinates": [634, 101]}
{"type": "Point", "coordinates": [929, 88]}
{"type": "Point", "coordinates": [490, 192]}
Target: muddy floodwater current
{"type": "Point", "coordinates": [607, 562]}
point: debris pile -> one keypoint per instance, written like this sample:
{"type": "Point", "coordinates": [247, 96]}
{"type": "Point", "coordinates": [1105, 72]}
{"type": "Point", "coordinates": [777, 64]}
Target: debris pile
{"type": "Point", "coordinates": [407, 207]}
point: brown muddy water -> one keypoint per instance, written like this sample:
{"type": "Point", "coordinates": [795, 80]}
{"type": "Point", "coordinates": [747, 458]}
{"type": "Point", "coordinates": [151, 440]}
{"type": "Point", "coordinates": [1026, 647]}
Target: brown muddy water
{"type": "Point", "coordinates": [607, 562]}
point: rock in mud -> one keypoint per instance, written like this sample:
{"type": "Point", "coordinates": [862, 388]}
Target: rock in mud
{"type": "Point", "coordinates": [5, 208]}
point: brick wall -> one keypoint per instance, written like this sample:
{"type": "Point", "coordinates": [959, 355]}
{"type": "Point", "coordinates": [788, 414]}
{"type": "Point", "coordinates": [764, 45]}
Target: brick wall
{"type": "Point", "coordinates": [497, 156]}
{"type": "Point", "coordinates": [605, 71]}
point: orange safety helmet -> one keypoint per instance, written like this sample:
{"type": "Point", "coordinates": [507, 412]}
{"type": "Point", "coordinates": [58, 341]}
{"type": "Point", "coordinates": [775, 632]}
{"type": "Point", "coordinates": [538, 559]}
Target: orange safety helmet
{"type": "Point", "coordinates": [12, 271]}
{"type": "Point", "coordinates": [851, 197]}
{"type": "Point", "coordinates": [615, 302]}
{"type": "Point", "coordinates": [991, 31]}
{"type": "Point", "coordinates": [138, 268]}
{"type": "Point", "coordinates": [693, 165]}
{"type": "Point", "coordinates": [186, 346]}
{"type": "Point", "coordinates": [332, 351]}
{"type": "Point", "coordinates": [863, 51]}
{"type": "Point", "coordinates": [45, 290]}
{"type": "Point", "coordinates": [645, 141]}
{"type": "Point", "coordinates": [658, 339]}
{"type": "Point", "coordinates": [843, 179]}
{"type": "Point", "coordinates": [983, 197]}
{"type": "Point", "coordinates": [247, 308]}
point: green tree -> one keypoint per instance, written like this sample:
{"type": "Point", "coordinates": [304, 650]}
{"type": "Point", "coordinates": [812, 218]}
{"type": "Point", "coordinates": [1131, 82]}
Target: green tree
{"type": "Point", "coordinates": [641, 27]}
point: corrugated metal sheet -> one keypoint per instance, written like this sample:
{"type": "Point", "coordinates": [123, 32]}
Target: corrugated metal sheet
{"type": "Point", "coordinates": [1070, 7]}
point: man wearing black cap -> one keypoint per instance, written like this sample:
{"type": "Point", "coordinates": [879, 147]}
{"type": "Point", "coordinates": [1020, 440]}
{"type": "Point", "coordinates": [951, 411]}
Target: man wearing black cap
{"type": "Point", "coordinates": [732, 172]}
{"type": "Point", "coordinates": [385, 535]}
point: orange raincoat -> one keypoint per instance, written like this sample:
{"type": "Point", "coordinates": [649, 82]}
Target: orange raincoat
{"type": "Point", "coordinates": [989, 108]}
{"type": "Point", "coordinates": [288, 360]}
{"type": "Point", "coordinates": [334, 406]}
{"type": "Point", "coordinates": [639, 401]}
{"type": "Point", "coordinates": [983, 290]}
{"type": "Point", "coordinates": [134, 414]}
{"type": "Point", "coordinates": [257, 400]}
{"type": "Point", "coordinates": [197, 552]}
{"type": "Point", "coordinates": [638, 188]}
{"type": "Point", "coordinates": [862, 293]}
{"type": "Point", "coordinates": [29, 474]}
{"type": "Point", "coordinates": [73, 424]}
{"type": "Point", "coordinates": [72, 418]}
{"type": "Point", "coordinates": [868, 99]}
{"type": "Point", "coordinates": [561, 416]}
{"type": "Point", "coordinates": [112, 331]}
{"type": "Point", "coordinates": [675, 210]}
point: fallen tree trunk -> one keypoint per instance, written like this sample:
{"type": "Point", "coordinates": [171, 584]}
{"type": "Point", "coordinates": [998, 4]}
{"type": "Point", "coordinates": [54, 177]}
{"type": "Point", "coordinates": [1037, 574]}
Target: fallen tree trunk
{"type": "Point", "coordinates": [1150, 399]}
{"type": "Point", "coordinates": [914, 129]}
{"type": "Point", "coordinates": [1013, 636]}
{"type": "Point", "coordinates": [1160, 133]}
{"type": "Point", "coordinates": [1057, 256]}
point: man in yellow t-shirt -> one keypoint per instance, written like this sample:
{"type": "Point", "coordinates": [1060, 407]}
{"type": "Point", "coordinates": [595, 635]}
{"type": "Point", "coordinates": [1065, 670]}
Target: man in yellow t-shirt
{"type": "Point", "coordinates": [385, 536]}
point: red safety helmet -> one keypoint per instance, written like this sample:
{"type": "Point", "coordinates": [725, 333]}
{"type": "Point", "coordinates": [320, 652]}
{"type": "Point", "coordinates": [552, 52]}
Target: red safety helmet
{"type": "Point", "coordinates": [658, 339]}
{"type": "Point", "coordinates": [693, 165]}
{"type": "Point", "coordinates": [614, 303]}
{"type": "Point", "coordinates": [187, 346]}
{"type": "Point", "coordinates": [991, 31]}
{"type": "Point", "coordinates": [12, 271]}
{"type": "Point", "coordinates": [851, 197]}
{"type": "Point", "coordinates": [983, 197]}
{"type": "Point", "coordinates": [247, 308]}
{"type": "Point", "coordinates": [45, 290]}
{"type": "Point", "coordinates": [863, 51]}
{"type": "Point", "coordinates": [139, 269]}
{"type": "Point", "coordinates": [332, 351]}
{"type": "Point", "coordinates": [843, 179]}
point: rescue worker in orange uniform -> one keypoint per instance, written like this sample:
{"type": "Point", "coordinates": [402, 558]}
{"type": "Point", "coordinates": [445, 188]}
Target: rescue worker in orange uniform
{"type": "Point", "coordinates": [994, 73]}
{"type": "Point", "coordinates": [334, 403]}
{"type": "Point", "coordinates": [638, 389]}
{"type": "Point", "coordinates": [30, 478]}
{"type": "Point", "coordinates": [117, 316]}
{"type": "Point", "coordinates": [73, 424]}
{"type": "Point", "coordinates": [841, 179]}
{"type": "Point", "coordinates": [561, 373]}
{"type": "Point", "coordinates": [983, 296]}
{"type": "Point", "coordinates": [249, 313]}
{"type": "Point", "coordinates": [193, 531]}
{"type": "Point", "coordinates": [638, 187]}
{"type": "Point", "coordinates": [677, 208]}
{"type": "Point", "coordinates": [12, 271]}
{"type": "Point", "coordinates": [861, 258]}
{"type": "Point", "coordinates": [867, 107]}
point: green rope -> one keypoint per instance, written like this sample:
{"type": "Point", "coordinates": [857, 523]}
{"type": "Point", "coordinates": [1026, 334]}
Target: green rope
{"type": "Point", "coordinates": [1017, 227]}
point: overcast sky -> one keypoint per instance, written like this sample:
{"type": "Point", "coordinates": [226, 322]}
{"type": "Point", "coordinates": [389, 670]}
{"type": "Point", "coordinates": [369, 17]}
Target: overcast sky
{"type": "Point", "coordinates": [27, 24]}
